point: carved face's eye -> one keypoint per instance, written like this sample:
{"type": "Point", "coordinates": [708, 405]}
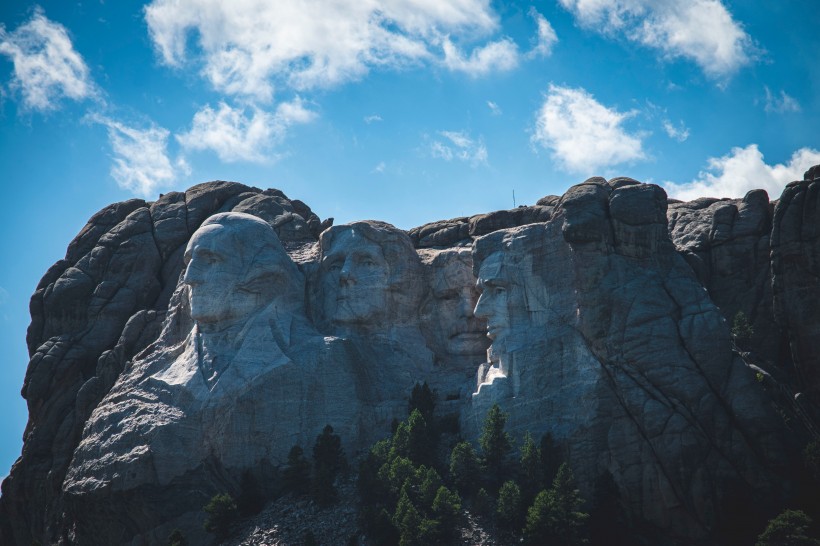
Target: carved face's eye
{"type": "Point", "coordinates": [367, 262]}
{"type": "Point", "coordinates": [499, 290]}
{"type": "Point", "coordinates": [334, 266]}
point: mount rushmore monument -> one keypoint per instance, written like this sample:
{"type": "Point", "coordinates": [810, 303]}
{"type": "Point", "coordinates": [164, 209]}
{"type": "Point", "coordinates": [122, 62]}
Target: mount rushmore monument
{"type": "Point", "coordinates": [186, 341]}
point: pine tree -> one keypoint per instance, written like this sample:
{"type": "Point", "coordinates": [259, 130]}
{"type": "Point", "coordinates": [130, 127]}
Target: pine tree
{"type": "Point", "coordinates": [446, 507]}
{"type": "Point", "coordinates": [531, 470]}
{"type": "Point", "coordinates": [222, 513]}
{"type": "Point", "coordinates": [422, 399]}
{"type": "Point", "coordinates": [555, 517]}
{"type": "Point", "coordinates": [465, 470]}
{"type": "Point", "coordinates": [407, 520]}
{"type": "Point", "coordinates": [509, 512]}
{"type": "Point", "coordinates": [328, 462]}
{"type": "Point", "coordinates": [495, 443]}
{"type": "Point", "coordinates": [413, 439]}
{"type": "Point", "coordinates": [296, 476]}
{"type": "Point", "coordinates": [788, 529]}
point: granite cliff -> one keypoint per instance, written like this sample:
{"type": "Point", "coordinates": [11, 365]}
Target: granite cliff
{"type": "Point", "coordinates": [186, 341]}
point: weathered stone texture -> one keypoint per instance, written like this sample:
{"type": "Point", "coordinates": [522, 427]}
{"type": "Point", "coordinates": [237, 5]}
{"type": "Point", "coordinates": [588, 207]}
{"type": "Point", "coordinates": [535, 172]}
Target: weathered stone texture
{"type": "Point", "coordinates": [176, 348]}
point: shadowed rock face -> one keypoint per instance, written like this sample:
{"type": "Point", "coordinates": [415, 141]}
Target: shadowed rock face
{"type": "Point", "coordinates": [177, 347]}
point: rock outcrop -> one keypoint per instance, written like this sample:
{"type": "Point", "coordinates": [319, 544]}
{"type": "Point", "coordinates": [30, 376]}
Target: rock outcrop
{"type": "Point", "coordinates": [176, 348]}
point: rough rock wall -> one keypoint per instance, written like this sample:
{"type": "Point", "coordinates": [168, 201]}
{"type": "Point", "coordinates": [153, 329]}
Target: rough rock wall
{"type": "Point", "coordinates": [795, 254]}
{"type": "Point", "coordinates": [635, 372]}
{"type": "Point", "coordinates": [94, 310]}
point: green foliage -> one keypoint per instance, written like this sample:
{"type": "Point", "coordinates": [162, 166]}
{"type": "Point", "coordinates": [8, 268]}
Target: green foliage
{"type": "Point", "coordinates": [328, 462]}
{"type": "Point", "coordinates": [414, 439]}
{"type": "Point", "coordinates": [176, 538]}
{"type": "Point", "coordinates": [787, 529]}
{"type": "Point", "coordinates": [509, 512]}
{"type": "Point", "coordinates": [555, 517]}
{"type": "Point", "coordinates": [407, 520]}
{"type": "Point", "coordinates": [741, 328]}
{"type": "Point", "coordinates": [423, 400]}
{"type": "Point", "coordinates": [495, 442]}
{"type": "Point", "coordinates": [532, 475]}
{"type": "Point", "coordinates": [446, 506]}
{"type": "Point", "coordinates": [430, 483]}
{"type": "Point", "coordinates": [296, 476]}
{"type": "Point", "coordinates": [222, 513]}
{"type": "Point", "coordinates": [465, 469]}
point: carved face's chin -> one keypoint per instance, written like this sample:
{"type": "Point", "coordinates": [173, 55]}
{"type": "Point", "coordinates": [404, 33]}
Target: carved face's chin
{"type": "Point", "coordinates": [467, 343]}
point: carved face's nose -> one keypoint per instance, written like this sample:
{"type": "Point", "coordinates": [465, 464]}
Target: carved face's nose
{"type": "Point", "coordinates": [193, 274]}
{"type": "Point", "coordinates": [346, 273]}
{"type": "Point", "coordinates": [465, 306]}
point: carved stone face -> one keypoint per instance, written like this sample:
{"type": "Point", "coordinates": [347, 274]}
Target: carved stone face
{"type": "Point", "coordinates": [355, 280]}
{"type": "Point", "coordinates": [458, 331]}
{"type": "Point", "coordinates": [212, 276]}
{"type": "Point", "coordinates": [502, 302]}
{"type": "Point", "coordinates": [235, 265]}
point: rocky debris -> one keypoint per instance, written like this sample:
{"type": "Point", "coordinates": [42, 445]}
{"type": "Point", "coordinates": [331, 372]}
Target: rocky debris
{"type": "Point", "coordinates": [286, 521]}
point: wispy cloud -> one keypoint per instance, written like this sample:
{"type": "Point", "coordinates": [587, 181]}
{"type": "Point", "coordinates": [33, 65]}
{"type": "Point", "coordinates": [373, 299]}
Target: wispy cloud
{"type": "Point", "coordinates": [373, 118]}
{"type": "Point", "coordinates": [141, 161]}
{"type": "Point", "coordinates": [582, 134]}
{"type": "Point", "coordinates": [46, 66]}
{"type": "Point", "coordinates": [379, 169]}
{"type": "Point", "coordinates": [779, 105]}
{"type": "Point", "coordinates": [495, 56]}
{"type": "Point", "coordinates": [236, 134]}
{"type": "Point", "coordinates": [741, 170]}
{"type": "Point", "coordinates": [247, 47]}
{"type": "Point", "coordinates": [461, 146]}
{"type": "Point", "coordinates": [546, 37]}
{"type": "Point", "coordinates": [679, 133]}
{"type": "Point", "coordinates": [702, 31]}
{"type": "Point", "coordinates": [494, 108]}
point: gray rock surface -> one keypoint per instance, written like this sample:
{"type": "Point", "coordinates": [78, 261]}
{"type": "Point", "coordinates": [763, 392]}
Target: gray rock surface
{"type": "Point", "coordinates": [175, 348]}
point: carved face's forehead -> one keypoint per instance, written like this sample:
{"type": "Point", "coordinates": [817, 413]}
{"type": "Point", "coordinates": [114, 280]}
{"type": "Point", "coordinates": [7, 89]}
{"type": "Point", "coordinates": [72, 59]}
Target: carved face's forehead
{"type": "Point", "coordinates": [351, 243]}
{"type": "Point", "coordinates": [493, 270]}
{"type": "Point", "coordinates": [455, 275]}
{"type": "Point", "coordinates": [214, 238]}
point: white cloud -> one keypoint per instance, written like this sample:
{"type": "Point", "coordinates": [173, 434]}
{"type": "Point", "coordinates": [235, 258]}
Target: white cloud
{"type": "Point", "coordinates": [372, 118]}
{"type": "Point", "coordinates": [494, 108]}
{"type": "Point", "coordinates": [546, 36]}
{"type": "Point", "coordinates": [679, 133]}
{"type": "Point", "coordinates": [248, 46]}
{"type": "Point", "coordinates": [459, 145]}
{"type": "Point", "coordinates": [46, 66]}
{"type": "Point", "coordinates": [236, 135]}
{"type": "Point", "coordinates": [500, 55]}
{"type": "Point", "coordinates": [702, 31]}
{"type": "Point", "coordinates": [141, 161]}
{"type": "Point", "coordinates": [582, 134]}
{"type": "Point", "coordinates": [379, 169]}
{"type": "Point", "coordinates": [784, 103]}
{"type": "Point", "coordinates": [743, 169]}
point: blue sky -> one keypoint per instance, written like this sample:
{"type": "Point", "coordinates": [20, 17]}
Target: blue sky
{"type": "Point", "coordinates": [404, 111]}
